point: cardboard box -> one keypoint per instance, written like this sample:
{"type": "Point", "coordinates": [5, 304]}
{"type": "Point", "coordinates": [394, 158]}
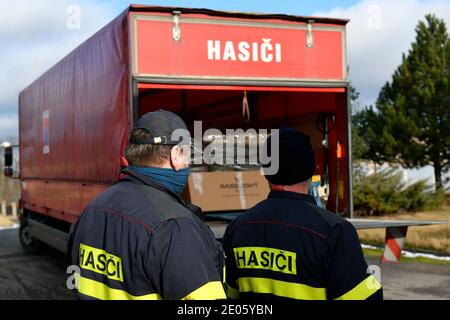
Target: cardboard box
{"type": "Point", "coordinates": [227, 190]}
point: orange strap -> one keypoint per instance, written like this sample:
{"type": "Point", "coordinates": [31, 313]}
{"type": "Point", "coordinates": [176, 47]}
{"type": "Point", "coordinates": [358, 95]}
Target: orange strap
{"type": "Point", "coordinates": [339, 150]}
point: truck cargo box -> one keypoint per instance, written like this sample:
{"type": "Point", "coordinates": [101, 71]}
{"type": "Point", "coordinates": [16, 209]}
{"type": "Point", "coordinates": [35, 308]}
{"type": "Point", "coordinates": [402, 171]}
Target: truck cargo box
{"type": "Point", "coordinates": [75, 119]}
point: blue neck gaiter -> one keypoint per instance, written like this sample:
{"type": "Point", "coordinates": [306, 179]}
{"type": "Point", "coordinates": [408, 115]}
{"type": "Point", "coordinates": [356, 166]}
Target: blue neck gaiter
{"type": "Point", "coordinates": [174, 181]}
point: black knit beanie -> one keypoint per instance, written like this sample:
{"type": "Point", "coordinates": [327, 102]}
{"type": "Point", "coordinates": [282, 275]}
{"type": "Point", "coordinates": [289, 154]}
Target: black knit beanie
{"type": "Point", "coordinates": [296, 161]}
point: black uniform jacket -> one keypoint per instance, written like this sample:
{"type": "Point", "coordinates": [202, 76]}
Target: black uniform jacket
{"type": "Point", "coordinates": [138, 240]}
{"type": "Point", "coordinates": [286, 247]}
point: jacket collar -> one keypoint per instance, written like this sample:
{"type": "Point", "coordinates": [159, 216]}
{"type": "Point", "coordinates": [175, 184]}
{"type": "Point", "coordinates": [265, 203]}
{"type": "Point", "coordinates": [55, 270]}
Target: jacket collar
{"type": "Point", "coordinates": [291, 195]}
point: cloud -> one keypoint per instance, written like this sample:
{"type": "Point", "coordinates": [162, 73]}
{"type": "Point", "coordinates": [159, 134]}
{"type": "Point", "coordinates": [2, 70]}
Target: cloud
{"type": "Point", "coordinates": [8, 125]}
{"type": "Point", "coordinates": [35, 21]}
{"type": "Point", "coordinates": [35, 35]}
{"type": "Point", "coordinates": [379, 32]}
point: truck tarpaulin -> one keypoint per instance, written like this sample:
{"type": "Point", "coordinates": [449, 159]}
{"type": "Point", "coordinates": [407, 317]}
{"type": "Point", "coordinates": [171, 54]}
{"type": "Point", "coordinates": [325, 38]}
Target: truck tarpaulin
{"type": "Point", "coordinates": [74, 122]}
{"type": "Point", "coordinates": [76, 118]}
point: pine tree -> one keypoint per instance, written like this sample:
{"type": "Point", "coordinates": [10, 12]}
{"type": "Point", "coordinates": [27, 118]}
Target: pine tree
{"type": "Point", "coordinates": [359, 147]}
{"type": "Point", "coordinates": [411, 125]}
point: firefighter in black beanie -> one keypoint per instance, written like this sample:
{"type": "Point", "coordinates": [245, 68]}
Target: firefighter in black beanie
{"type": "Point", "coordinates": [287, 247]}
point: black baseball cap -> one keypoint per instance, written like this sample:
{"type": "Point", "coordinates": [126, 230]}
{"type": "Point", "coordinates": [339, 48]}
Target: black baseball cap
{"type": "Point", "coordinates": [161, 125]}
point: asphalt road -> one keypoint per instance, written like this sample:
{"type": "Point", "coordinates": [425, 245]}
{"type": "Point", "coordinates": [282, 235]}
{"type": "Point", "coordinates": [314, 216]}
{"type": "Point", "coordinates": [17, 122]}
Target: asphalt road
{"type": "Point", "coordinates": [24, 277]}
{"type": "Point", "coordinates": [44, 277]}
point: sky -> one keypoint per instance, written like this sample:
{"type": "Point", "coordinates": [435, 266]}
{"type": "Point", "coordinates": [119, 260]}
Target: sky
{"type": "Point", "coordinates": [36, 34]}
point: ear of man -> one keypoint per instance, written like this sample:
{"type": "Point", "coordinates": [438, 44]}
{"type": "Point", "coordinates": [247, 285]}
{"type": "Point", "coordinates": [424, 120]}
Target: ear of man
{"type": "Point", "coordinates": [179, 158]}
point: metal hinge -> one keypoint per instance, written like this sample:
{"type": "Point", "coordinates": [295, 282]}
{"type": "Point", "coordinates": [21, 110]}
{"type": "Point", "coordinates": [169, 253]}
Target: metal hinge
{"type": "Point", "coordinates": [176, 31]}
{"type": "Point", "coordinates": [309, 34]}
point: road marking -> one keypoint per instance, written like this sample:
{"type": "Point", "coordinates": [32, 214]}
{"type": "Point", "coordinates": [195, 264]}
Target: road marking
{"type": "Point", "coordinates": [15, 226]}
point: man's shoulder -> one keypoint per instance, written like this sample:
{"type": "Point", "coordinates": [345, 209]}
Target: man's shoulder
{"type": "Point", "coordinates": [328, 217]}
{"type": "Point", "coordinates": [121, 196]}
{"type": "Point", "coordinates": [187, 231]}
{"type": "Point", "coordinates": [126, 201]}
{"type": "Point", "coordinates": [116, 193]}
{"type": "Point", "coordinates": [310, 215]}
{"type": "Point", "coordinates": [256, 213]}
{"type": "Point", "coordinates": [143, 202]}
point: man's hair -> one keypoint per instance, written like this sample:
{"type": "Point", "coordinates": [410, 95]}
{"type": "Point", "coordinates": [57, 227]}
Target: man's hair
{"type": "Point", "coordinates": [144, 155]}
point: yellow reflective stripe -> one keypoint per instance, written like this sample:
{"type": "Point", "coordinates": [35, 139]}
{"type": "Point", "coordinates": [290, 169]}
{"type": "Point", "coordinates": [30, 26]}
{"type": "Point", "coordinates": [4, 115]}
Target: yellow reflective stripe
{"type": "Point", "coordinates": [232, 293]}
{"type": "Point", "coordinates": [363, 290]}
{"type": "Point", "coordinates": [210, 291]}
{"type": "Point", "coordinates": [224, 274]}
{"type": "Point", "coordinates": [282, 289]}
{"type": "Point", "coordinates": [100, 291]}
{"type": "Point", "coordinates": [101, 262]}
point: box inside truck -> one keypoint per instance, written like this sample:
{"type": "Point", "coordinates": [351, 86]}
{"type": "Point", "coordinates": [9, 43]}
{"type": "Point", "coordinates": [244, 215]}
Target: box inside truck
{"type": "Point", "coordinates": [319, 112]}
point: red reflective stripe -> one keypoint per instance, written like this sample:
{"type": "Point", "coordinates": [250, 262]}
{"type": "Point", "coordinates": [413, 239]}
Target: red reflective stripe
{"type": "Point", "coordinates": [276, 187]}
{"type": "Point", "coordinates": [284, 224]}
{"type": "Point", "coordinates": [395, 248]}
{"type": "Point", "coordinates": [238, 88]}
{"type": "Point", "coordinates": [393, 235]}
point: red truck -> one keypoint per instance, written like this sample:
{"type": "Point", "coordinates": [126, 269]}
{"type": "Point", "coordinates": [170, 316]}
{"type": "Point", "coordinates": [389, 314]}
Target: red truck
{"type": "Point", "coordinates": [76, 118]}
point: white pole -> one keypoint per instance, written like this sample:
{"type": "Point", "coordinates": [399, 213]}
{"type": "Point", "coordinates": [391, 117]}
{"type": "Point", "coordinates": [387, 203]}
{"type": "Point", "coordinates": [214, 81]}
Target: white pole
{"type": "Point", "coordinates": [3, 208]}
{"type": "Point", "coordinates": [14, 209]}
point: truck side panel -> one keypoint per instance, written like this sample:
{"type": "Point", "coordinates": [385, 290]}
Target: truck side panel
{"type": "Point", "coordinates": [74, 124]}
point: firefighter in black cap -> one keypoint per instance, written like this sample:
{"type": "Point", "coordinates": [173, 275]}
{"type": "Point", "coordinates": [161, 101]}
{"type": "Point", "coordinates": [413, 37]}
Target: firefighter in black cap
{"type": "Point", "coordinates": [287, 247]}
{"type": "Point", "coordinates": [139, 240]}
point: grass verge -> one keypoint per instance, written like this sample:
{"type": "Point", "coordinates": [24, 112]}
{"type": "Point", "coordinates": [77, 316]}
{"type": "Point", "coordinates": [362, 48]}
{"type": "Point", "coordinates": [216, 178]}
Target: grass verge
{"type": "Point", "coordinates": [427, 238]}
{"type": "Point", "coordinates": [5, 222]}
{"type": "Point", "coordinates": [374, 253]}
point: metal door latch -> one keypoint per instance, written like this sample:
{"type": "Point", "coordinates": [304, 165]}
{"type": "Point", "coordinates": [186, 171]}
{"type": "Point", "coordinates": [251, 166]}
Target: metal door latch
{"type": "Point", "coordinates": [176, 31]}
{"type": "Point", "coordinates": [309, 34]}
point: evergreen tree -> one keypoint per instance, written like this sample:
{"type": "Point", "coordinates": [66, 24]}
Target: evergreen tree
{"type": "Point", "coordinates": [359, 147]}
{"type": "Point", "coordinates": [411, 125]}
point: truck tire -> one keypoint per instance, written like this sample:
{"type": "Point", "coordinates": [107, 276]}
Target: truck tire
{"type": "Point", "coordinates": [29, 244]}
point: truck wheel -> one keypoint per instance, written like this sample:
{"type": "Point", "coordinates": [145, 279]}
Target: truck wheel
{"type": "Point", "coordinates": [28, 243]}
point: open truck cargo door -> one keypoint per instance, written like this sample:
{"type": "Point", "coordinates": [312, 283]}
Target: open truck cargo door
{"type": "Point", "coordinates": [211, 187]}
{"type": "Point", "coordinates": [248, 72]}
